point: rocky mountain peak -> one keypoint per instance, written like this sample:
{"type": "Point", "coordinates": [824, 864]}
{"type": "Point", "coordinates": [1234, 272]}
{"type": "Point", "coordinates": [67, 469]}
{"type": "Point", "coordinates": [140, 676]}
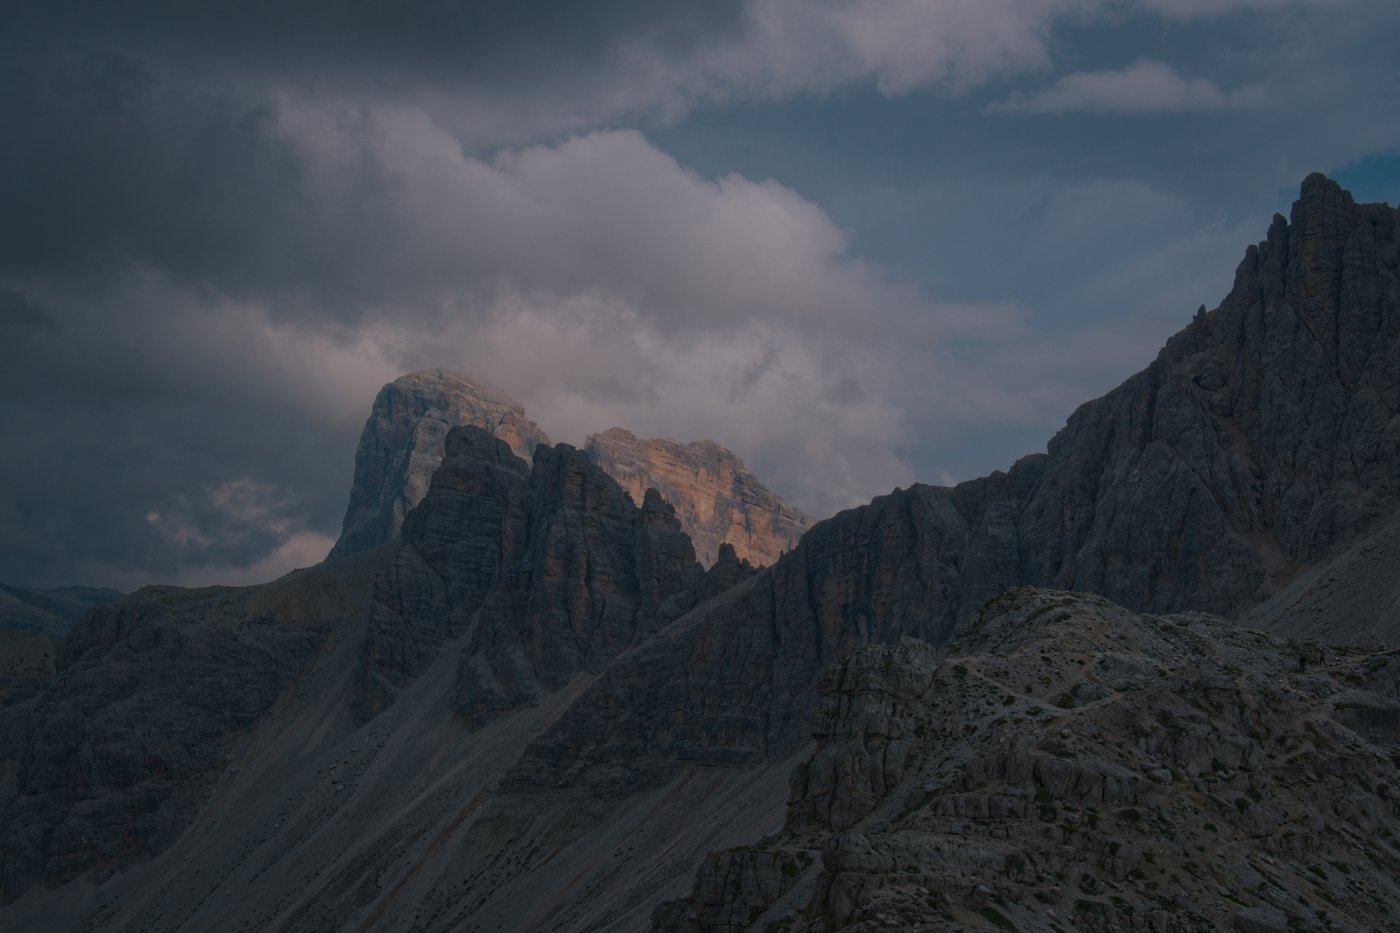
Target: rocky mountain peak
{"type": "Point", "coordinates": [547, 571]}
{"type": "Point", "coordinates": [718, 500]}
{"type": "Point", "coordinates": [403, 442]}
{"type": "Point", "coordinates": [535, 710]}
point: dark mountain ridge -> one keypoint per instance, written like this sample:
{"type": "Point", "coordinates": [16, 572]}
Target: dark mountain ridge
{"type": "Point", "coordinates": [1248, 449]}
{"type": "Point", "coordinates": [536, 696]}
{"type": "Point", "coordinates": [717, 499]}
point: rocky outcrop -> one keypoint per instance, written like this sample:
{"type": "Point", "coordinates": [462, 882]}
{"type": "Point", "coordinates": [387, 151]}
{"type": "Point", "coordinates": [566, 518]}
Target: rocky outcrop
{"type": "Point", "coordinates": [1246, 451]}
{"type": "Point", "coordinates": [1072, 763]}
{"type": "Point", "coordinates": [732, 683]}
{"type": "Point", "coordinates": [48, 611]}
{"type": "Point", "coordinates": [1353, 598]}
{"type": "Point", "coordinates": [536, 710]}
{"type": "Point", "coordinates": [402, 445]}
{"type": "Point", "coordinates": [717, 499]}
{"type": "Point", "coordinates": [108, 761]}
{"type": "Point", "coordinates": [546, 572]}
{"type": "Point", "coordinates": [1263, 438]}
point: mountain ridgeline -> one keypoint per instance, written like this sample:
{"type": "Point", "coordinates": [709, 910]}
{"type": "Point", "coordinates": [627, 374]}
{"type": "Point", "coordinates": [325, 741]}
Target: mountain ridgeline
{"type": "Point", "coordinates": [514, 698]}
{"type": "Point", "coordinates": [717, 499]}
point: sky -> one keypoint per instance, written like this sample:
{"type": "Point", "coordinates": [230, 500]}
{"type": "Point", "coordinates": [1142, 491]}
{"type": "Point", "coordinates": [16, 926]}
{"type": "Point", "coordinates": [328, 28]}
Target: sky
{"type": "Point", "coordinates": [861, 244]}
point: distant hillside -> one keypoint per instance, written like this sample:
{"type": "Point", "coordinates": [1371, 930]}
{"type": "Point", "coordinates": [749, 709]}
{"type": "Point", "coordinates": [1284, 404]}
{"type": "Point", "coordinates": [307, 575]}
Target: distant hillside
{"type": "Point", "coordinates": [48, 612]}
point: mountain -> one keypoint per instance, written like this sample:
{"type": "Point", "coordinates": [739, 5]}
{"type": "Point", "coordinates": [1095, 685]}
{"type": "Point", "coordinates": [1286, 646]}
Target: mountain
{"type": "Point", "coordinates": [1245, 454]}
{"type": "Point", "coordinates": [1073, 765]}
{"type": "Point", "coordinates": [1361, 578]}
{"type": "Point", "coordinates": [547, 572]}
{"type": "Point", "coordinates": [51, 611]}
{"type": "Point", "coordinates": [535, 709]}
{"type": "Point", "coordinates": [717, 499]}
{"type": "Point", "coordinates": [402, 444]}
{"type": "Point", "coordinates": [330, 745]}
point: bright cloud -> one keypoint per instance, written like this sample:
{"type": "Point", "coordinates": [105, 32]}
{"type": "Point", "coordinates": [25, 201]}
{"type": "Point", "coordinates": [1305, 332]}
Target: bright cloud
{"type": "Point", "coordinates": [1143, 87]}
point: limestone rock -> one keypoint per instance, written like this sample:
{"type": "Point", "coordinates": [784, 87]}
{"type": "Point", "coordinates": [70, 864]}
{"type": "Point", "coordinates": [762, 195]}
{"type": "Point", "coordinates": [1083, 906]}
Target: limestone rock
{"type": "Point", "coordinates": [569, 707]}
{"type": "Point", "coordinates": [547, 571]}
{"type": "Point", "coordinates": [402, 445]}
{"type": "Point", "coordinates": [717, 499]}
{"type": "Point", "coordinates": [107, 762]}
{"type": "Point", "coordinates": [732, 682]}
{"type": "Point", "coordinates": [1020, 788]}
{"type": "Point", "coordinates": [1148, 496]}
{"type": "Point", "coordinates": [734, 887]}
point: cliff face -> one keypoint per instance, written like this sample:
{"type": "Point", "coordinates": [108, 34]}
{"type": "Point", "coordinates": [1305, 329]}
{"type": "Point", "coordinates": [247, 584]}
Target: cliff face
{"type": "Point", "coordinates": [148, 699]}
{"type": "Point", "coordinates": [1068, 765]}
{"type": "Point", "coordinates": [731, 683]}
{"type": "Point", "coordinates": [402, 445]}
{"type": "Point", "coordinates": [536, 696]}
{"type": "Point", "coordinates": [1262, 438]}
{"type": "Point", "coordinates": [717, 499]}
{"type": "Point", "coordinates": [1250, 448]}
{"type": "Point", "coordinates": [548, 572]}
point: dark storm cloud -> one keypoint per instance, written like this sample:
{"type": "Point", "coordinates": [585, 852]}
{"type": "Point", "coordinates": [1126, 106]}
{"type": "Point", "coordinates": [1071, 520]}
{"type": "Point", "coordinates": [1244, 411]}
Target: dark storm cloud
{"type": "Point", "coordinates": [128, 446]}
{"type": "Point", "coordinates": [227, 225]}
{"type": "Point", "coordinates": [188, 261]}
{"type": "Point", "coordinates": [114, 166]}
{"type": "Point", "coordinates": [416, 37]}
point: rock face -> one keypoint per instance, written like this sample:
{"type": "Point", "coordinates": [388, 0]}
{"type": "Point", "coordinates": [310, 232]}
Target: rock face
{"type": "Point", "coordinates": [1361, 579]}
{"type": "Point", "coordinates": [732, 683]}
{"type": "Point", "coordinates": [402, 445]}
{"type": "Point", "coordinates": [535, 709]}
{"type": "Point", "coordinates": [1246, 451]}
{"type": "Point", "coordinates": [1075, 765]}
{"type": "Point", "coordinates": [717, 499]}
{"type": "Point", "coordinates": [109, 762]}
{"type": "Point", "coordinates": [1262, 438]}
{"type": "Point", "coordinates": [549, 572]}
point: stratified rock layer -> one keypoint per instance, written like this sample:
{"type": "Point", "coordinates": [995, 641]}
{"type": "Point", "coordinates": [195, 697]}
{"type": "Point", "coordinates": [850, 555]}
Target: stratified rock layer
{"type": "Point", "coordinates": [402, 445]}
{"type": "Point", "coordinates": [1262, 439]}
{"type": "Point", "coordinates": [549, 572]}
{"type": "Point", "coordinates": [717, 499]}
{"type": "Point", "coordinates": [148, 699]}
{"type": "Point", "coordinates": [534, 711]}
{"type": "Point", "coordinates": [1073, 765]}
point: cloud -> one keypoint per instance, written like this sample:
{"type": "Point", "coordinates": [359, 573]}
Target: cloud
{"type": "Point", "coordinates": [508, 75]}
{"type": "Point", "coordinates": [150, 430]}
{"type": "Point", "coordinates": [596, 279]}
{"type": "Point", "coordinates": [513, 74]}
{"type": "Point", "coordinates": [212, 259]}
{"type": "Point", "coordinates": [1143, 87]}
{"type": "Point", "coordinates": [1206, 9]}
